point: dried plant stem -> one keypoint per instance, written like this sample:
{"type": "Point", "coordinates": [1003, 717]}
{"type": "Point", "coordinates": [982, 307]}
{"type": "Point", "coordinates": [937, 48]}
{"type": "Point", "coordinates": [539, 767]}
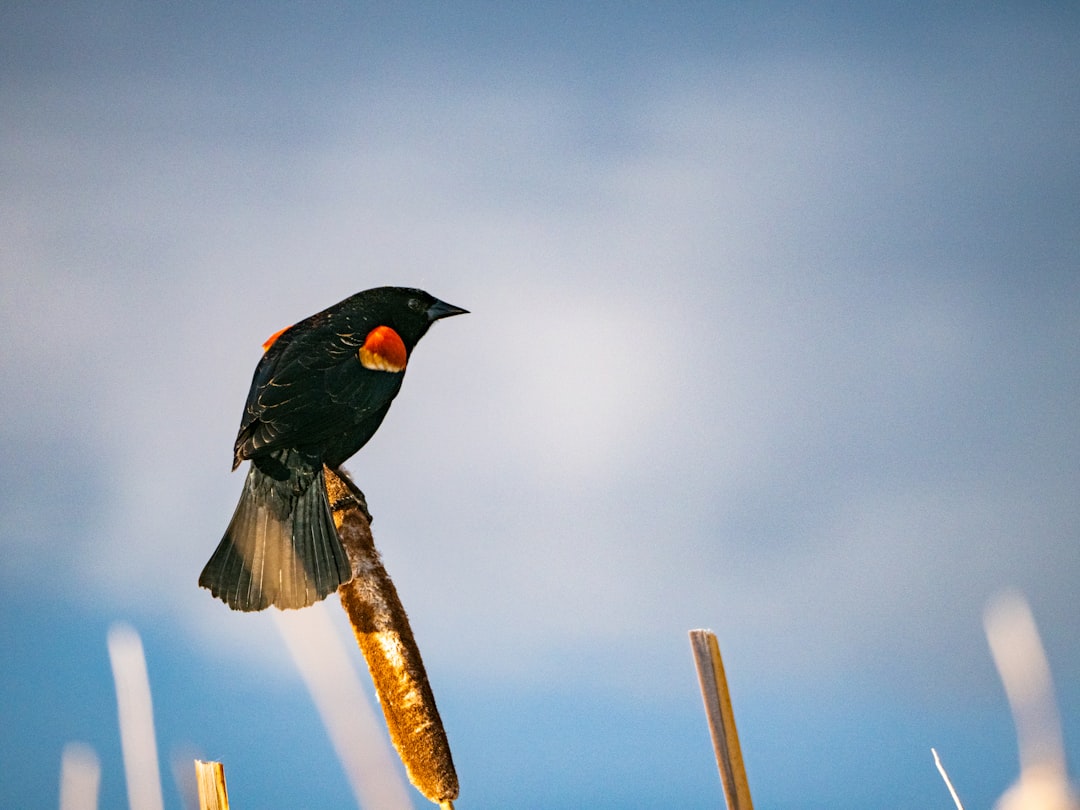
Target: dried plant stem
{"type": "Point", "coordinates": [80, 777]}
{"type": "Point", "coordinates": [948, 782]}
{"type": "Point", "coordinates": [393, 658]}
{"type": "Point", "coordinates": [136, 717]}
{"type": "Point", "coordinates": [210, 777]}
{"type": "Point", "coordinates": [1025, 672]}
{"type": "Point", "coordinates": [324, 660]}
{"type": "Point", "coordinates": [721, 718]}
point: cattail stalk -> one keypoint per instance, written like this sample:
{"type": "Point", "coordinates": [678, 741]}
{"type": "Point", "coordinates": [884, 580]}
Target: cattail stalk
{"type": "Point", "coordinates": [393, 658]}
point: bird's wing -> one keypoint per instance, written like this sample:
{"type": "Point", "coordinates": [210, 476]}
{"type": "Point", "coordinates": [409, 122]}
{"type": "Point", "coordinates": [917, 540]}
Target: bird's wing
{"type": "Point", "coordinates": [310, 387]}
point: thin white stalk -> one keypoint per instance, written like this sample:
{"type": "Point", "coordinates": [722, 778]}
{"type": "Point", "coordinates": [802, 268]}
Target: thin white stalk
{"type": "Point", "coordinates": [948, 782]}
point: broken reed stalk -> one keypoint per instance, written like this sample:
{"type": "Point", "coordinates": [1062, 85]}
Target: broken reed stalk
{"type": "Point", "coordinates": [386, 640]}
{"type": "Point", "coordinates": [210, 777]}
{"type": "Point", "coordinates": [721, 718]}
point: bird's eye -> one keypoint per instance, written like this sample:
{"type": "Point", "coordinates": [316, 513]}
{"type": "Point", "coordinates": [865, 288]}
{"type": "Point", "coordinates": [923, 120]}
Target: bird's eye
{"type": "Point", "coordinates": [415, 304]}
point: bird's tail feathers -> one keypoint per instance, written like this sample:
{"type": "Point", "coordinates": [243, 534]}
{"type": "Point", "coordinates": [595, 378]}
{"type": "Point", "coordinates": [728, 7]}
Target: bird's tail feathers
{"type": "Point", "coordinates": [281, 547]}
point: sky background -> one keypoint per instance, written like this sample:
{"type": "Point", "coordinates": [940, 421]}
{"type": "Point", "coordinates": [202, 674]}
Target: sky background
{"type": "Point", "coordinates": [775, 330]}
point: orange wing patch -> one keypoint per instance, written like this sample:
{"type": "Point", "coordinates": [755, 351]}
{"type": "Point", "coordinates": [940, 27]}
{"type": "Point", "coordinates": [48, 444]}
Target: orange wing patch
{"type": "Point", "coordinates": [270, 340]}
{"type": "Point", "coordinates": [383, 350]}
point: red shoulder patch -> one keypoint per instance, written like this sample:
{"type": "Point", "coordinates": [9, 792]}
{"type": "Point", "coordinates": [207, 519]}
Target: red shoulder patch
{"type": "Point", "coordinates": [270, 340]}
{"type": "Point", "coordinates": [383, 350]}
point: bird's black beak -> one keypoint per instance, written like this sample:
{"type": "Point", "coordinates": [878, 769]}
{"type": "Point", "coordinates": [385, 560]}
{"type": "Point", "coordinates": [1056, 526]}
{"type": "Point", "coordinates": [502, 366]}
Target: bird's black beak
{"type": "Point", "coordinates": [441, 309]}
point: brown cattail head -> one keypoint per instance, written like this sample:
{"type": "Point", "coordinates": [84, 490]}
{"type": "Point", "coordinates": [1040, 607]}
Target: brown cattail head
{"type": "Point", "coordinates": [386, 640]}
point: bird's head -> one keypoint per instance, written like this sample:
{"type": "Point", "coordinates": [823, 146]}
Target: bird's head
{"type": "Point", "coordinates": [407, 311]}
{"type": "Point", "coordinates": [392, 320]}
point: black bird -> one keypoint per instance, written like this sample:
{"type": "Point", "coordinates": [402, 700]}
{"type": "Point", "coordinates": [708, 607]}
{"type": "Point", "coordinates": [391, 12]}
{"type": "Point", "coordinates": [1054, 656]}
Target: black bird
{"type": "Point", "coordinates": [319, 393]}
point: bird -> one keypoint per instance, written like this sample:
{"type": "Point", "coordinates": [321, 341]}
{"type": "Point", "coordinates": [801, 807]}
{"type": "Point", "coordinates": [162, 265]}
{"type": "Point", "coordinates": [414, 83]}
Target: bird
{"type": "Point", "coordinates": [320, 391]}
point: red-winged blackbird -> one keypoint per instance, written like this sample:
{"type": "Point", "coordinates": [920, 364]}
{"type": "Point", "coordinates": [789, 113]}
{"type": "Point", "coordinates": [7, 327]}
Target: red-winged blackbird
{"type": "Point", "coordinates": [319, 393]}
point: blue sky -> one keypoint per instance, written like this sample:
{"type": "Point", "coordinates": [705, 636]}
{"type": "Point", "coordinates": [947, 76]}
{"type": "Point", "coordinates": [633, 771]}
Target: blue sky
{"type": "Point", "coordinates": [775, 316]}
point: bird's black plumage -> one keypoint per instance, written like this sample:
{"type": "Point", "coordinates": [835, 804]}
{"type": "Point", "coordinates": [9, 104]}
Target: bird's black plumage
{"type": "Point", "coordinates": [319, 393]}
